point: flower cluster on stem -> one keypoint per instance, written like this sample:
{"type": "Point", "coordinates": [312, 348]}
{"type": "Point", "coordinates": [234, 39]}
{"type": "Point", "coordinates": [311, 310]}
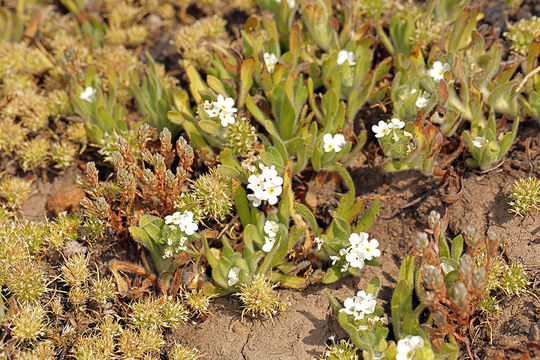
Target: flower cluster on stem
{"type": "Point", "coordinates": [359, 250]}
{"type": "Point", "coordinates": [360, 305]}
{"type": "Point", "coordinates": [184, 221]}
{"type": "Point", "coordinates": [266, 186]}
{"type": "Point", "coordinates": [223, 109]}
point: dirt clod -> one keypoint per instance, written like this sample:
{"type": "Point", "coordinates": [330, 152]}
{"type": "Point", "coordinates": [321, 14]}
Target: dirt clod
{"type": "Point", "coordinates": [65, 199]}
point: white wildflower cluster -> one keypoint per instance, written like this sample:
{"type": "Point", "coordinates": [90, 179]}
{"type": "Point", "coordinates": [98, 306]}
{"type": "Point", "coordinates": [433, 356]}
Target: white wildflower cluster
{"type": "Point", "coordinates": [360, 305]}
{"type": "Point", "coordinates": [394, 127]}
{"type": "Point", "coordinates": [88, 94]}
{"type": "Point", "coordinates": [359, 250]}
{"type": "Point", "coordinates": [271, 229]}
{"type": "Point", "coordinates": [175, 246]}
{"type": "Point", "coordinates": [223, 109]}
{"type": "Point", "coordinates": [333, 143]}
{"type": "Point", "coordinates": [344, 55]}
{"type": "Point", "coordinates": [270, 60]}
{"type": "Point", "coordinates": [406, 348]}
{"type": "Point", "coordinates": [266, 186]}
{"type": "Point", "coordinates": [233, 276]}
{"type": "Point", "coordinates": [184, 221]}
{"type": "Point", "coordinates": [438, 70]}
{"type": "Point", "coordinates": [177, 243]}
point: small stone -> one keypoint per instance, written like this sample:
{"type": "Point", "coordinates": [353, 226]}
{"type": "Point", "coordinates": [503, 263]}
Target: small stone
{"type": "Point", "coordinates": [74, 248]}
{"type": "Point", "coordinates": [65, 199]}
{"type": "Point", "coordinates": [239, 329]}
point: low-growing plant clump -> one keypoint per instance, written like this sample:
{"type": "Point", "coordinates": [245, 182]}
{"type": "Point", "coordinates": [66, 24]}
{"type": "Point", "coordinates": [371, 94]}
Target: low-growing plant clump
{"type": "Point", "coordinates": [200, 132]}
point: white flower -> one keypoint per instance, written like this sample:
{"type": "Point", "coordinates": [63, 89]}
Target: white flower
{"type": "Point", "coordinates": [355, 258]}
{"type": "Point", "coordinates": [421, 102]}
{"type": "Point", "coordinates": [184, 221]}
{"type": "Point", "coordinates": [360, 305]}
{"type": "Point", "coordinates": [407, 134]}
{"type": "Point", "coordinates": [265, 186]}
{"type": "Point", "coordinates": [271, 228]}
{"type": "Point", "coordinates": [268, 244]}
{"type": "Point", "coordinates": [319, 242]}
{"type": "Point", "coordinates": [270, 60]}
{"type": "Point", "coordinates": [225, 104]}
{"type": "Point", "coordinates": [369, 249]}
{"type": "Point", "coordinates": [334, 259]}
{"type": "Point", "coordinates": [344, 55]}
{"type": "Point", "coordinates": [395, 123]}
{"type": "Point", "coordinates": [224, 109]}
{"type": "Point", "coordinates": [407, 347]}
{"type": "Point", "coordinates": [233, 276]}
{"type": "Point", "coordinates": [438, 70]}
{"type": "Point", "coordinates": [173, 219]}
{"type": "Point", "coordinates": [254, 200]}
{"type": "Point", "coordinates": [273, 193]}
{"type": "Point", "coordinates": [88, 94]}
{"type": "Point", "coordinates": [381, 129]}
{"type": "Point", "coordinates": [226, 118]}
{"type": "Point", "coordinates": [210, 109]}
{"type": "Point", "coordinates": [479, 141]}
{"type": "Point", "coordinates": [333, 143]}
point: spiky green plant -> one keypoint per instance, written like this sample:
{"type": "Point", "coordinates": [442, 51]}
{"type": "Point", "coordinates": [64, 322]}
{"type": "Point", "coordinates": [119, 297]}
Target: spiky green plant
{"type": "Point", "coordinates": [181, 352]}
{"type": "Point", "coordinates": [213, 194]}
{"type": "Point", "coordinates": [260, 299]}
{"type": "Point", "coordinates": [15, 191]}
{"type": "Point", "coordinates": [29, 323]}
{"type": "Point", "coordinates": [525, 196]}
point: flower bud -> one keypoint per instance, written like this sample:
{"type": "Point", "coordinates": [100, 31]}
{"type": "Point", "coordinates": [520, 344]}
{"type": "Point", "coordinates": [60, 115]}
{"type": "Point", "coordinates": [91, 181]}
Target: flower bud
{"type": "Point", "coordinates": [433, 219]}
{"type": "Point", "coordinates": [495, 240]}
{"type": "Point", "coordinates": [432, 276]}
{"type": "Point", "coordinates": [430, 298]}
{"type": "Point", "coordinates": [422, 240]}
{"type": "Point", "coordinates": [466, 264]}
{"type": "Point", "coordinates": [460, 293]}
{"type": "Point", "coordinates": [479, 278]}
{"type": "Point", "coordinates": [439, 319]}
{"type": "Point", "coordinates": [471, 236]}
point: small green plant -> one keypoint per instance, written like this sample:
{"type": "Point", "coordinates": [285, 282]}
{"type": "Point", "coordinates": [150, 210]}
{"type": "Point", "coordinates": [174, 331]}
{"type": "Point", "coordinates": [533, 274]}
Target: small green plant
{"type": "Point", "coordinates": [525, 196]}
{"type": "Point", "coordinates": [15, 191]}
{"type": "Point", "coordinates": [144, 177]}
{"type": "Point", "coordinates": [259, 298]}
{"type": "Point", "coordinates": [181, 352]}
{"type": "Point", "coordinates": [341, 350]}
{"type": "Point", "coordinates": [522, 34]}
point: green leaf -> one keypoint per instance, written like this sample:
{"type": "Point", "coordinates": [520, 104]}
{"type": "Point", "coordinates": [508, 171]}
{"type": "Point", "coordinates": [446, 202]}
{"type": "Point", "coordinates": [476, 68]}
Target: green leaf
{"type": "Point", "coordinates": [406, 271]}
{"type": "Point", "coordinates": [309, 217]}
{"type": "Point", "coordinates": [212, 259]}
{"type": "Point", "coordinates": [292, 282]}
{"type": "Point", "coordinates": [285, 208]}
{"type": "Point", "coordinates": [457, 247]}
{"type": "Point", "coordinates": [368, 217]}
{"type": "Point", "coordinates": [242, 203]}
{"type": "Point", "coordinates": [246, 80]}
{"type": "Point", "coordinates": [209, 126]}
{"type": "Point", "coordinates": [196, 84]}
{"type": "Point", "coordinates": [373, 286]}
{"type": "Point", "coordinates": [333, 274]}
